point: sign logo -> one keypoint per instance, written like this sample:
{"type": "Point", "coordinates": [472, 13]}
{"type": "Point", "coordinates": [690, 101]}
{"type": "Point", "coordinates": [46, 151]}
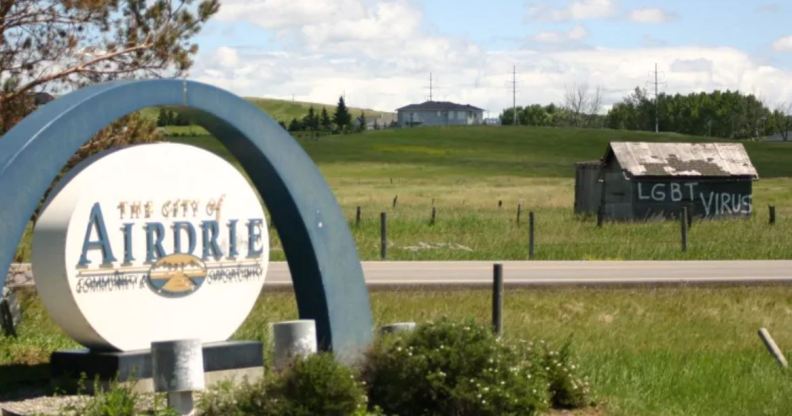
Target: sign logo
{"type": "Point", "coordinates": [177, 275]}
{"type": "Point", "coordinates": [149, 231]}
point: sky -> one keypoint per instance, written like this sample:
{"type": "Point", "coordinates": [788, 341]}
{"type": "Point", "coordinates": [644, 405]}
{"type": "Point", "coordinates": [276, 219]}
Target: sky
{"type": "Point", "coordinates": [379, 54]}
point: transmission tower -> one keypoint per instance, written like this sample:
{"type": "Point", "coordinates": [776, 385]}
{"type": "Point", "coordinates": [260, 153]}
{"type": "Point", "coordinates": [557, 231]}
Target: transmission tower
{"type": "Point", "coordinates": [655, 84]}
{"type": "Point", "coordinates": [430, 88]}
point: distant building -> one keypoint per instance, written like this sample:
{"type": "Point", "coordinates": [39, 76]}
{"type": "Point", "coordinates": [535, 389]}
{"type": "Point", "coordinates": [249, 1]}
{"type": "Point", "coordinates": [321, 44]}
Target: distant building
{"type": "Point", "coordinates": [638, 180]}
{"type": "Point", "coordinates": [439, 113]}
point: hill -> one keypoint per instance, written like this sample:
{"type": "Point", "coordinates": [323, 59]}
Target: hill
{"type": "Point", "coordinates": [486, 151]}
{"type": "Point", "coordinates": [281, 110]}
{"type": "Point", "coordinates": [285, 110]}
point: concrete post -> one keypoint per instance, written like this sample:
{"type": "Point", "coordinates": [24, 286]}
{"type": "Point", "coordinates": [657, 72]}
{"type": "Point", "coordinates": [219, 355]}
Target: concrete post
{"type": "Point", "coordinates": [293, 339]}
{"type": "Point", "coordinates": [397, 327]}
{"type": "Point", "coordinates": [177, 368]}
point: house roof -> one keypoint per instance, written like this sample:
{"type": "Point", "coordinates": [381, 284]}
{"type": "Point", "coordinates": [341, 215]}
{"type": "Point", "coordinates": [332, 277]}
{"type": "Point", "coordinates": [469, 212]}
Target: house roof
{"type": "Point", "coordinates": [439, 106]}
{"type": "Point", "coordinates": [682, 159]}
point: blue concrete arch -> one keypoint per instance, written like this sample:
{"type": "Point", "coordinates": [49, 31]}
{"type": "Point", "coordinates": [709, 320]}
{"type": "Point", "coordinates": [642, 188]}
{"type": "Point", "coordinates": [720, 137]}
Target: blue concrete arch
{"type": "Point", "coordinates": [326, 271]}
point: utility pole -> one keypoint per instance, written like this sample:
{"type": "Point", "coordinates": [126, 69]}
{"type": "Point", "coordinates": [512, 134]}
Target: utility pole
{"type": "Point", "coordinates": [514, 94]}
{"type": "Point", "coordinates": [657, 106]}
{"type": "Point", "coordinates": [430, 86]}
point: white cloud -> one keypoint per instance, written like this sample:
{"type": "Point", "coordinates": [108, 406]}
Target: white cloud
{"type": "Point", "coordinates": [650, 15]}
{"type": "Point", "coordinates": [575, 34]}
{"type": "Point", "coordinates": [576, 10]}
{"type": "Point", "coordinates": [692, 65]}
{"type": "Point", "coordinates": [279, 14]}
{"type": "Point", "coordinates": [783, 44]}
{"type": "Point", "coordinates": [768, 8]}
{"type": "Point", "coordinates": [226, 57]}
{"type": "Point", "coordinates": [380, 54]}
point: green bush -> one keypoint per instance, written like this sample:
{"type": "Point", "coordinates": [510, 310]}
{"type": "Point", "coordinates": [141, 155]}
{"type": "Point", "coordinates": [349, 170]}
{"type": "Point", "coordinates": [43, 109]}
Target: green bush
{"type": "Point", "coordinates": [118, 399]}
{"type": "Point", "coordinates": [448, 368]}
{"type": "Point", "coordinates": [316, 385]}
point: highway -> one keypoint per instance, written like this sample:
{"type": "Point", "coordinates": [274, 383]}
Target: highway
{"type": "Point", "coordinates": [439, 274]}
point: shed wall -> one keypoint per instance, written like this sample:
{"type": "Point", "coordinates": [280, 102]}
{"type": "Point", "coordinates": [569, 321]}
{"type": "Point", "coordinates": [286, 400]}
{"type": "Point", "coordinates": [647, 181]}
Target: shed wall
{"type": "Point", "coordinates": [617, 193]}
{"type": "Point", "coordinates": [588, 188]}
{"type": "Point", "coordinates": [705, 198]}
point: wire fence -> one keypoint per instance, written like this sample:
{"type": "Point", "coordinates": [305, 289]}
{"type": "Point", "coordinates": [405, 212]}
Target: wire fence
{"type": "Point", "coordinates": [422, 231]}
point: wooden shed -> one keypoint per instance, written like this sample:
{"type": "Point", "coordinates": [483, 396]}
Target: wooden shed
{"type": "Point", "coordinates": [644, 180]}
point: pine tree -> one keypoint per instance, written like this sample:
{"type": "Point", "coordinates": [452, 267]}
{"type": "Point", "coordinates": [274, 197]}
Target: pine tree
{"type": "Point", "coordinates": [362, 121]}
{"type": "Point", "coordinates": [341, 117]}
{"type": "Point", "coordinates": [162, 117]}
{"type": "Point", "coordinates": [295, 125]}
{"type": "Point", "coordinates": [311, 121]}
{"type": "Point", "coordinates": [325, 120]}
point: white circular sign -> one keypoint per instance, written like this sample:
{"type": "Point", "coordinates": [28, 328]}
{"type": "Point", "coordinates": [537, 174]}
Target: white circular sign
{"type": "Point", "coordinates": [151, 243]}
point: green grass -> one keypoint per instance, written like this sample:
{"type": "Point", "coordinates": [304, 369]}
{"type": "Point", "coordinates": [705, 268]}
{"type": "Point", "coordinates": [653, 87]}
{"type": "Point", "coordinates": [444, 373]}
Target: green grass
{"type": "Point", "coordinates": [685, 351]}
{"type": "Point", "coordinates": [465, 171]}
{"type": "Point", "coordinates": [473, 152]}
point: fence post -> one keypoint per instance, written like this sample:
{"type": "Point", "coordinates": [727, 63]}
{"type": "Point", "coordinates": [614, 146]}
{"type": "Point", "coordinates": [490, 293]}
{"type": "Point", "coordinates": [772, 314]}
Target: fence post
{"type": "Point", "coordinates": [500, 203]}
{"type": "Point", "coordinates": [383, 235]}
{"type": "Point", "coordinates": [357, 216]}
{"type": "Point", "coordinates": [395, 200]}
{"type": "Point", "coordinates": [531, 235]}
{"type": "Point", "coordinates": [434, 216]}
{"type": "Point", "coordinates": [519, 211]}
{"type": "Point", "coordinates": [684, 228]}
{"type": "Point", "coordinates": [600, 216]}
{"type": "Point", "coordinates": [772, 213]}
{"type": "Point", "coordinates": [497, 299]}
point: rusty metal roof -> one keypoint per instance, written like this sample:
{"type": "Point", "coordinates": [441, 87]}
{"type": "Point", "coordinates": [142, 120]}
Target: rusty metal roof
{"type": "Point", "coordinates": [682, 159]}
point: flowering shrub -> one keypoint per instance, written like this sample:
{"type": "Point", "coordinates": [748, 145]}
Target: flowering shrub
{"type": "Point", "coordinates": [442, 368]}
{"type": "Point", "coordinates": [568, 390]}
{"type": "Point", "coordinates": [316, 385]}
{"type": "Point", "coordinates": [453, 368]}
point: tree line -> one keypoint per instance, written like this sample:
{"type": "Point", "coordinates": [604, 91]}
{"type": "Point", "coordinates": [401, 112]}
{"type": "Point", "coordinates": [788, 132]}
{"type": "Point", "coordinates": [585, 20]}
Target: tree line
{"type": "Point", "coordinates": [580, 109]}
{"type": "Point", "coordinates": [340, 122]}
{"type": "Point", "coordinates": [725, 114]}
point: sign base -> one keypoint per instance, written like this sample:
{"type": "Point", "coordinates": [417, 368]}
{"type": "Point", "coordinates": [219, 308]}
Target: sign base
{"type": "Point", "coordinates": [229, 360]}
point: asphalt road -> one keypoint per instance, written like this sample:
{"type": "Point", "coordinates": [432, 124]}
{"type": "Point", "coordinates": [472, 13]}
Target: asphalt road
{"type": "Point", "coordinates": [384, 274]}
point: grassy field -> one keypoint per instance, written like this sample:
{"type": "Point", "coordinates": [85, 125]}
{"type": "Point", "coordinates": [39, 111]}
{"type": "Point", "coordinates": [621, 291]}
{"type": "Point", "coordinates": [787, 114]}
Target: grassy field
{"type": "Point", "coordinates": [465, 172]}
{"type": "Point", "coordinates": [690, 351]}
